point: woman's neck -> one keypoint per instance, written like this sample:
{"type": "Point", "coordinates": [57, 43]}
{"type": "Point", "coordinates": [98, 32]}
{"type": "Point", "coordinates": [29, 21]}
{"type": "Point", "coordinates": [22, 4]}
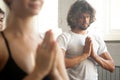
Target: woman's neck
{"type": "Point", "coordinates": [21, 26]}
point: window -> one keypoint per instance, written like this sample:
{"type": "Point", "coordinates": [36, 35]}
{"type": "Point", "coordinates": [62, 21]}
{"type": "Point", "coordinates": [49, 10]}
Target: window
{"type": "Point", "coordinates": [48, 17]}
{"type": "Point", "coordinates": [107, 18]}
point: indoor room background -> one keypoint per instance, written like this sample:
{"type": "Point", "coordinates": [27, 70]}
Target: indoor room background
{"type": "Point", "coordinates": [107, 23]}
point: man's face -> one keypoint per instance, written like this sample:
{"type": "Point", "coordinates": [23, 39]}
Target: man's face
{"type": "Point", "coordinates": [84, 21]}
{"type": "Point", "coordinates": [1, 20]}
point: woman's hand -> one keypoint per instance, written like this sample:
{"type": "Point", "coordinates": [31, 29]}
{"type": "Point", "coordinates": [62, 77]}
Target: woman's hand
{"type": "Point", "coordinates": [50, 60]}
{"type": "Point", "coordinates": [46, 54]}
{"type": "Point", "coordinates": [45, 58]}
{"type": "Point", "coordinates": [58, 71]}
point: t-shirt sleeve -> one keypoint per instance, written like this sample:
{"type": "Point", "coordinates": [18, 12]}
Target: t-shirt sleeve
{"type": "Point", "coordinates": [63, 40]}
{"type": "Point", "coordinates": [102, 45]}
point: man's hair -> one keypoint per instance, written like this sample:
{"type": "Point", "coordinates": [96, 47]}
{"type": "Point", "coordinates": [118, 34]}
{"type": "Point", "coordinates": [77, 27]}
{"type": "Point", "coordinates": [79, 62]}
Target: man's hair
{"type": "Point", "coordinates": [1, 11]}
{"type": "Point", "coordinates": [78, 8]}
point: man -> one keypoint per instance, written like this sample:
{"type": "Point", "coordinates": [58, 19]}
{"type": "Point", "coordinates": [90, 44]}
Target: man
{"type": "Point", "coordinates": [83, 50]}
{"type": "Point", "coordinates": [2, 14]}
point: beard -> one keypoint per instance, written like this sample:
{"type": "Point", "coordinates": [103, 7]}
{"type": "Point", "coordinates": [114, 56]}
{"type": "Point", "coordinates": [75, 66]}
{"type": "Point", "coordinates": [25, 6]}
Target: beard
{"type": "Point", "coordinates": [83, 27]}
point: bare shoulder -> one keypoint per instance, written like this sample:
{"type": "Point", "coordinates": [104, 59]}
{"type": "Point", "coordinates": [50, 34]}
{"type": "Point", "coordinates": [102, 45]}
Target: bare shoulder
{"type": "Point", "coordinates": [3, 52]}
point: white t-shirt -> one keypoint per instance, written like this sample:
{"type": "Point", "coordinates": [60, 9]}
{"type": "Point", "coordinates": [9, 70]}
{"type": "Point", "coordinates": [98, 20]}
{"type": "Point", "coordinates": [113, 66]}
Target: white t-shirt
{"type": "Point", "coordinates": [73, 44]}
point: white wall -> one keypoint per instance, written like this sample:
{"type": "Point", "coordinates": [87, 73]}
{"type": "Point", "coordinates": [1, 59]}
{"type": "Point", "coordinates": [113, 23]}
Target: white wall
{"type": "Point", "coordinates": [48, 16]}
{"type": "Point", "coordinates": [114, 49]}
{"type": "Point", "coordinates": [63, 8]}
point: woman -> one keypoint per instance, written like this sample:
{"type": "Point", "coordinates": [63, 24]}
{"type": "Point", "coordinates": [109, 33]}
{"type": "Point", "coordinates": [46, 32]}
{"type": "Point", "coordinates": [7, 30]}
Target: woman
{"type": "Point", "coordinates": [23, 55]}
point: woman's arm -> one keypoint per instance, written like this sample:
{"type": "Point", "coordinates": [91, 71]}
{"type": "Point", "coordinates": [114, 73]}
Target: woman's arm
{"type": "Point", "coordinates": [49, 61]}
{"type": "Point", "coordinates": [45, 58]}
{"type": "Point", "coordinates": [61, 65]}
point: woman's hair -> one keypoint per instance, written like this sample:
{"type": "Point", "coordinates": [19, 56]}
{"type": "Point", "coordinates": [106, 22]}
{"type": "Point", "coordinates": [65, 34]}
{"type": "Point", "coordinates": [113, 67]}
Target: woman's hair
{"type": "Point", "coordinates": [7, 2]}
{"type": "Point", "coordinates": [77, 9]}
{"type": "Point", "coordinates": [1, 11]}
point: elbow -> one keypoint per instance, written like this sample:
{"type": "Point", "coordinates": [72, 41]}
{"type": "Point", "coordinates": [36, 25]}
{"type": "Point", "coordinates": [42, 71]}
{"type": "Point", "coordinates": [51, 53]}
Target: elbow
{"type": "Point", "coordinates": [112, 68]}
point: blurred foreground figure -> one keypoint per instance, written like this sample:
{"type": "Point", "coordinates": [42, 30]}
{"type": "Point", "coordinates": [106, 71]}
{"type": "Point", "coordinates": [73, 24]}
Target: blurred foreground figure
{"type": "Point", "coordinates": [23, 54]}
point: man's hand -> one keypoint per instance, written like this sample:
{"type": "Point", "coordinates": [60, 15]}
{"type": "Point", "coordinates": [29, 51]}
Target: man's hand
{"type": "Point", "coordinates": [87, 47]}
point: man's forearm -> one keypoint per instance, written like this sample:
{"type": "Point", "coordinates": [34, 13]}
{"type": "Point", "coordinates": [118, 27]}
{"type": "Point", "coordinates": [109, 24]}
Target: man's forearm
{"type": "Point", "coordinates": [105, 63]}
{"type": "Point", "coordinates": [70, 62]}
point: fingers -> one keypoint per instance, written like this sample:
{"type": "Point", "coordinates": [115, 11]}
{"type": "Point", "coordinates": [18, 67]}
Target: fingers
{"type": "Point", "coordinates": [46, 52]}
{"type": "Point", "coordinates": [49, 44]}
{"type": "Point", "coordinates": [90, 44]}
{"type": "Point", "coordinates": [87, 47]}
{"type": "Point", "coordinates": [49, 41]}
{"type": "Point", "coordinates": [55, 51]}
{"type": "Point", "coordinates": [49, 37]}
{"type": "Point", "coordinates": [88, 40]}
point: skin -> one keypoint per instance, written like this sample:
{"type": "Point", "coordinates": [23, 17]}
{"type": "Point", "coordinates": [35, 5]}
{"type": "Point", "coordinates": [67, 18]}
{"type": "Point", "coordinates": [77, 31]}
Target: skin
{"type": "Point", "coordinates": [1, 20]}
{"type": "Point", "coordinates": [105, 60]}
{"type": "Point", "coordinates": [36, 57]}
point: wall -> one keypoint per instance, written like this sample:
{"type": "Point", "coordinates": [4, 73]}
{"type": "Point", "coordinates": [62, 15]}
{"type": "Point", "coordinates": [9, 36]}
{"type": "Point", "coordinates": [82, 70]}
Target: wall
{"type": "Point", "coordinates": [114, 49]}
{"type": "Point", "coordinates": [63, 7]}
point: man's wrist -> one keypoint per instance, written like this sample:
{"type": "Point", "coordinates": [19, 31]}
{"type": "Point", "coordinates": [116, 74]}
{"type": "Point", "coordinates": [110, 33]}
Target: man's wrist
{"type": "Point", "coordinates": [86, 55]}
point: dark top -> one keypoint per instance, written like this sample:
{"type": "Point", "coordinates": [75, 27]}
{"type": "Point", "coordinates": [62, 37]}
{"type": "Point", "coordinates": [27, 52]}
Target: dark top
{"type": "Point", "coordinates": [11, 71]}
